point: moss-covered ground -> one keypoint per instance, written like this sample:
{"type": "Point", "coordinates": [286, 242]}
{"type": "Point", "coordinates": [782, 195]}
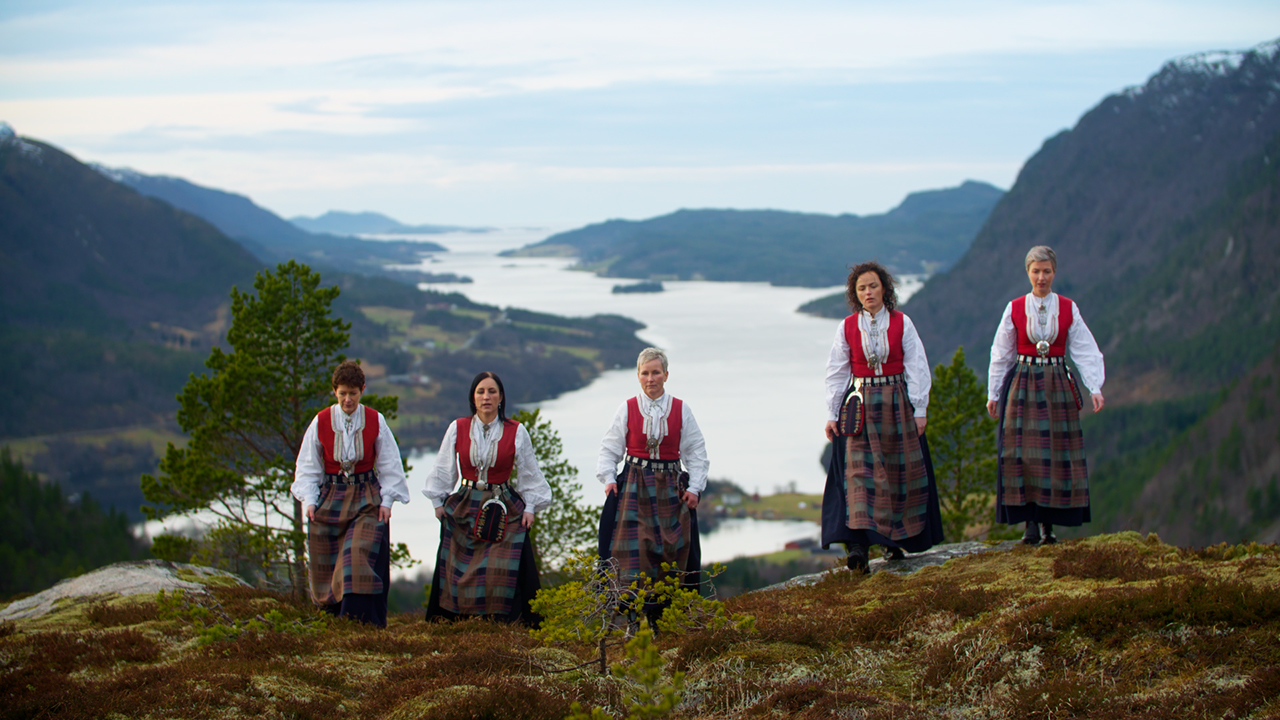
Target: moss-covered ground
{"type": "Point", "coordinates": [1114, 626]}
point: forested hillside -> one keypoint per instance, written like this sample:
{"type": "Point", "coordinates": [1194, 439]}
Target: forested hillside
{"type": "Point", "coordinates": [110, 299]}
{"type": "Point", "coordinates": [45, 537]}
{"type": "Point", "coordinates": [929, 230]}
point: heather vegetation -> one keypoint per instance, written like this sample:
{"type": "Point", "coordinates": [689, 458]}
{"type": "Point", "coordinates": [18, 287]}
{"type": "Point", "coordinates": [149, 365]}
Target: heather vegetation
{"type": "Point", "coordinates": [1115, 626]}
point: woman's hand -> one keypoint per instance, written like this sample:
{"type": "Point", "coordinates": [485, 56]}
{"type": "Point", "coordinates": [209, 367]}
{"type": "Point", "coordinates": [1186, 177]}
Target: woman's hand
{"type": "Point", "coordinates": [920, 423]}
{"type": "Point", "coordinates": [991, 409]}
{"type": "Point", "coordinates": [610, 488]}
{"type": "Point", "coordinates": [440, 513]}
{"type": "Point", "coordinates": [528, 520]}
{"type": "Point", "coordinates": [1098, 402]}
{"type": "Point", "coordinates": [832, 429]}
{"type": "Point", "coordinates": [690, 499]}
{"type": "Point", "coordinates": [311, 512]}
{"type": "Point", "coordinates": [384, 513]}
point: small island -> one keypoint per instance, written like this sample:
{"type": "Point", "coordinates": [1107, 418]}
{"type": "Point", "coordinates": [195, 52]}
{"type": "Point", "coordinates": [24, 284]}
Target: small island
{"type": "Point", "coordinates": [654, 286]}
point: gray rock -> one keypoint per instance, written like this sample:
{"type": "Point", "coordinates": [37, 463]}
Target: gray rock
{"type": "Point", "coordinates": [935, 555]}
{"type": "Point", "coordinates": [139, 577]}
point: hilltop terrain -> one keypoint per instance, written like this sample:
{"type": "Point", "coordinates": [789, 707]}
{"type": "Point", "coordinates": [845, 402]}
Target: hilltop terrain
{"type": "Point", "coordinates": [1115, 626]}
{"type": "Point", "coordinates": [929, 230]}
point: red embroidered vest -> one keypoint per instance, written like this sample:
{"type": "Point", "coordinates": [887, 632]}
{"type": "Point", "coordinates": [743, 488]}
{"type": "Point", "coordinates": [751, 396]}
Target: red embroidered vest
{"type": "Point", "coordinates": [500, 471]}
{"type": "Point", "coordinates": [1058, 347]}
{"type": "Point", "coordinates": [324, 429]}
{"type": "Point", "coordinates": [892, 365]}
{"type": "Point", "coordinates": [638, 442]}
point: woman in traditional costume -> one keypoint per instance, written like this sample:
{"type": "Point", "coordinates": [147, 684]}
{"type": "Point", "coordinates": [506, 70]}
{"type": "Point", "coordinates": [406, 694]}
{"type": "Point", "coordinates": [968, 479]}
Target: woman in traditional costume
{"type": "Point", "coordinates": [348, 474]}
{"type": "Point", "coordinates": [485, 566]}
{"type": "Point", "coordinates": [880, 485]}
{"type": "Point", "coordinates": [650, 510]}
{"type": "Point", "coordinates": [1041, 475]}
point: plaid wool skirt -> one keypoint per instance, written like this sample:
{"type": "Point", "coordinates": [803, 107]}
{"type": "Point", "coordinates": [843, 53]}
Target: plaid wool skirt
{"type": "Point", "coordinates": [345, 542]}
{"type": "Point", "coordinates": [646, 524]}
{"type": "Point", "coordinates": [478, 577]}
{"type": "Point", "coordinates": [887, 488]}
{"type": "Point", "coordinates": [1041, 449]}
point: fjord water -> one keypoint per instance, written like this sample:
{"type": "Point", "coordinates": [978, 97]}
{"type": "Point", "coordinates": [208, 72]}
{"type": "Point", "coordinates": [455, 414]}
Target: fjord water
{"type": "Point", "coordinates": [750, 367]}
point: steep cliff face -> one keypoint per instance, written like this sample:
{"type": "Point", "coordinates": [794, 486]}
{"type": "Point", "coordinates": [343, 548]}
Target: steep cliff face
{"type": "Point", "coordinates": [1162, 205]}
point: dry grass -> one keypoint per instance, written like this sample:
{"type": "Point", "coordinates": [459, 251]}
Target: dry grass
{"type": "Point", "coordinates": [1109, 627]}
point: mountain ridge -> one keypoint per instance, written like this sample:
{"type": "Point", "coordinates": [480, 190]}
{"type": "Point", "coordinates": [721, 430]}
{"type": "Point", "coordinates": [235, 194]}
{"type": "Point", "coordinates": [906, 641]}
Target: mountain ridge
{"type": "Point", "coordinates": [339, 222]}
{"type": "Point", "coordinates": [929, 229]}
{"type": "Point", "coordinates": [273, 239]}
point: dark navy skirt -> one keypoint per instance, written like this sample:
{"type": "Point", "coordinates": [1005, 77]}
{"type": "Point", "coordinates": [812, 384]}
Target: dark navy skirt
{"type": "Point", "coordinates": [835, 509]}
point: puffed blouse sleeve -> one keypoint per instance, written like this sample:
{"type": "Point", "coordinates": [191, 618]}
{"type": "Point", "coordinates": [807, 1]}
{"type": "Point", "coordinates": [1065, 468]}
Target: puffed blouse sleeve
{"type": "Point", "coordinates": [693, 451]}
{"type": "Point", "coordinates": [1085, 352]}
{"type": "Point", "coordinates": [395, 486]}
{"type": "Point", "coordinates": [1004, 353]}
{"type": "Point", "coordinates": [612, 447]}
{"type": "Point", "coordinates": [839, 371]}
{"type": "Point", "coordinates": [532, 483]}
{"type": "Point", "coordinates": [309, 470]}
{"type": "Point", "coordinates": [916, 367]}
{"type": "Point", "coordinates": [445, 473]}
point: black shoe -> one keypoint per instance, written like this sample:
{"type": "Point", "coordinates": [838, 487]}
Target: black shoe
{"type": "Point", "coordinates": [894, 553]}
{"type": "Point", "coordinates": [857, 559]}
{"type": "Point", "coordinates": [1046, 535]}
{"type": "Point", "coordinates": [1032, 535]}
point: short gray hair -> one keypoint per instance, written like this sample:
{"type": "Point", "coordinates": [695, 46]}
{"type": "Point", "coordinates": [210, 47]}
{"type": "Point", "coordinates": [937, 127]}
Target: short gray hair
{"type": "Point", "coordinates": [650, 354]}
{"type": "Point", "coordinates": [1040, 253]}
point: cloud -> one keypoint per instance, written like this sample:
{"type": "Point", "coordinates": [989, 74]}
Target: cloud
{"type": "Point", "coordinates": [498, 101]}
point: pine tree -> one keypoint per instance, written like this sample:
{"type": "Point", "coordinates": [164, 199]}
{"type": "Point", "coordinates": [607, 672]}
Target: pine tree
{"type": "Point", "coordinates": [962, 442]}
{"type": "Point", "coordinates": [567, 526]}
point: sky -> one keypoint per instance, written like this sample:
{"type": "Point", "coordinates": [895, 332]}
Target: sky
{"type": "Point", "coordinates": [558, 114]}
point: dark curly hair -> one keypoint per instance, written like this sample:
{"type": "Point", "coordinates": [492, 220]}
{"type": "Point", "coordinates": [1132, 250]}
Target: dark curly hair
{"type": "Point", "coordinates": [886, 280]}
{"type": "Point", "coordinates": [348, 373]}
{"type": "Point", "coordinates": [502, 392]}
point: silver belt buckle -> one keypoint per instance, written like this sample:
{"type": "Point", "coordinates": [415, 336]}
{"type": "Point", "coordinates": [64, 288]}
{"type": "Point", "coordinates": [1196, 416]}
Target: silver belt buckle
{"type": "Point", "coordinates": [347, 467]}
{"type": "Point", "coordinates": [1042, 347]}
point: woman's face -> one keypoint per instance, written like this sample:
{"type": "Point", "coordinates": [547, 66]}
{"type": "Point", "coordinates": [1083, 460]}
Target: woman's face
{"type": "Point", "coordinates": [348, 397]}
{"type": "Point", "coordinates": [1040, 273]}
{"type": "Point", "coordinates": [870, 292]}
{"type": "Point", "coordinates": [487, 398]}
{"type": "Point", "coordinates": [652, 378]}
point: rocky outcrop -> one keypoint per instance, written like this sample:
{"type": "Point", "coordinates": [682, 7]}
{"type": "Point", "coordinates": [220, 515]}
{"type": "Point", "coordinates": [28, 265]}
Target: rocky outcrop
{"type": "Point", "coordinates": [141, 577]}
{"type": "Point", "coordinates": [936, 555]}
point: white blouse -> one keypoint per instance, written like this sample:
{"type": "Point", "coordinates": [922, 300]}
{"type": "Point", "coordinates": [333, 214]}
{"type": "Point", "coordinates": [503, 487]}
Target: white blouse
{"type": "Point", "coordinates": [309, 471]}
{"type": "Point", "coordinates": [693, 449]}
{"type": "Point", "coordinates": [915, 364]}
{"type": "Point", "coordinates": [526, 477]}
{"type": "Point", "coordinates": [1080, 345]}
